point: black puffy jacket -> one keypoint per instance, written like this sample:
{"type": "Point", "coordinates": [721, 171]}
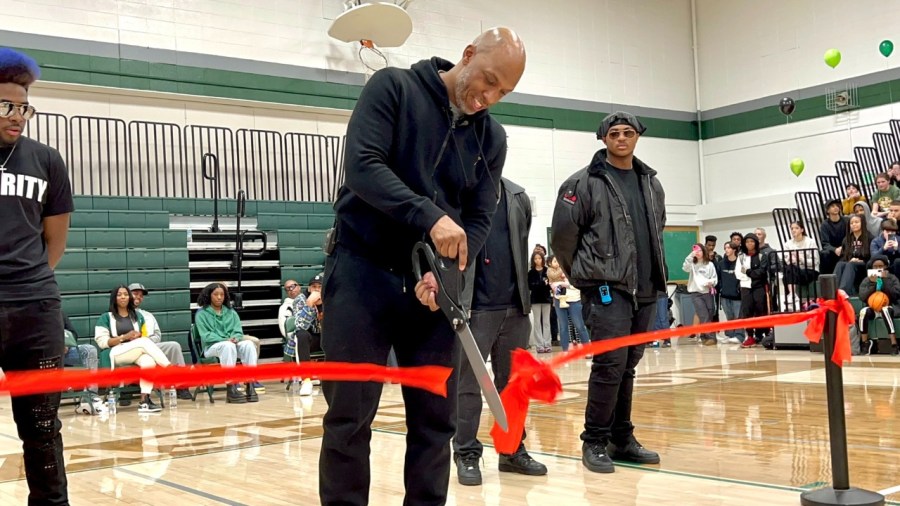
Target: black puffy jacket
{"type": "Point", "coordinates": [592, 236]}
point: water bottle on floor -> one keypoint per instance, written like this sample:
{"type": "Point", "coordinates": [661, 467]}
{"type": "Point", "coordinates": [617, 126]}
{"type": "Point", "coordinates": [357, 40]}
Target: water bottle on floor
{"type": "Point", "coordinates": [172, 398]}
{"type": "Point", "coordinates": [111, 402]}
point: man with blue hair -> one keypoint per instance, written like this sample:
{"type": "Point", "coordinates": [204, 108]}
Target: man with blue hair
{"type": "Point", "coordinates": [35, 202]}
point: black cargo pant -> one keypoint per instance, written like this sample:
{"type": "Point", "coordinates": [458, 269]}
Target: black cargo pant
{"type": "Point", "coordinates": [31, 337]}
{"type": "Point", "coordinates": [611, 384]}
{"type": "Point", "coordinates": [370, 310]}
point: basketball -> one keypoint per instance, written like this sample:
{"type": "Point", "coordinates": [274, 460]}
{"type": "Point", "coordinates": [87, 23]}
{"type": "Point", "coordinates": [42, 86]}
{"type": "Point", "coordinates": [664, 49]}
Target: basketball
{"type": "Point", "coordinates": [878, 301]}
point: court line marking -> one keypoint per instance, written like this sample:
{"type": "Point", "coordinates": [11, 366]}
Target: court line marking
{"type": "Point", "coordinates": [641, 467]}
{"type": "Point", "coordinates": [889, 491]}
{"type": "Point", "coordinates": [183, 488]}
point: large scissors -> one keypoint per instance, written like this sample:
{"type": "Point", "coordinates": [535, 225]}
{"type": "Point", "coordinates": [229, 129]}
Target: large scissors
{"type": "Point", "coordinates": [449, 281]}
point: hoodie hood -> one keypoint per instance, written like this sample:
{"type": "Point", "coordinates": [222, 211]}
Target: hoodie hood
{"type": "Point", "coordinates": [598, 165]}
{"type": "Point", "coordinates": [873, 223]}
{"type": "Point", "coordinates": [755, 240]}
{"type": "Point", "coordinates": [428, 73]}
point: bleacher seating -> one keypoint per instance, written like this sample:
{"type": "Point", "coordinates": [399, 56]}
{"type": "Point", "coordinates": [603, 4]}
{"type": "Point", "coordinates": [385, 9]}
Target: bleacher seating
{"type": "Point", "coordinates": [122, 240]}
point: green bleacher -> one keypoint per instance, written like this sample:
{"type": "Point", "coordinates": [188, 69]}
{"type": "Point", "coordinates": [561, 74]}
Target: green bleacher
{"type": "Point", "coordinates": [123, 240]}
{"type": "Point", "coordinates": [111, 243]}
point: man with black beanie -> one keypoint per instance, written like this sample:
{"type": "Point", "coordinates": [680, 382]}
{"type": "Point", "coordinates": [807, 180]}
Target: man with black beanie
{"type": "Point", "coordinates": [608, 237]}
{"type": "Point", "coordinates": [35, 202]}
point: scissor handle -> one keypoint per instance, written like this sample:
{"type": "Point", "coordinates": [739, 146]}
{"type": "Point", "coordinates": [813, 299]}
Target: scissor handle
{"type": "Point", "coordinates": [446, 274]}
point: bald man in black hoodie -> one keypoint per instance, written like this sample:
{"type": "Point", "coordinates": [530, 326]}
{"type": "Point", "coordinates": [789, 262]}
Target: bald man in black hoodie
{"type": "Point", "coordinates": [831, 235]}
{"type": "Point", "coordinates": [423, 161]}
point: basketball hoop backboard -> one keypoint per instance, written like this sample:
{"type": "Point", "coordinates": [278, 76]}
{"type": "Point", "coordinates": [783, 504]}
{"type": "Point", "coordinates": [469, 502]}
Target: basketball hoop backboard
{"type": "Point", "coordinates": [385, 24]}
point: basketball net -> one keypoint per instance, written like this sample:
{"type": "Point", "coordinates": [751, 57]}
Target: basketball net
{"type": "Point", "coordinates": [371, 57]}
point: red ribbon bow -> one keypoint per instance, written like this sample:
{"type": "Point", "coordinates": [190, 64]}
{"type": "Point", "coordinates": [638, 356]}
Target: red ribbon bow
{"type": "Point", "coordinates": [845, 318]}
{"type": "Point", "coordinates": [531, 378]}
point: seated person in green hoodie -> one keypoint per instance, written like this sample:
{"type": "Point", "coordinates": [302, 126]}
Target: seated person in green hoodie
{"type": "Point", "coordinates": [223, 337]}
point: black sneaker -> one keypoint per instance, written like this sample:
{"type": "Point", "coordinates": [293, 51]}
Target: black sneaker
{"type": "Point", "coordinates": [594, 457]}
{"type": "Point", "coordinates": [236, 395]}
{"type": "Point", "coordinates": [184, 394]}
{"type": "Point", "coordinates": [521, 463]}
{"type": "Point", "coordinates": [147, 406]}
{"type": "Point", "coordinates": [467, 471]}
{"type": "Point", "coordinates": [632, 451]}
{"type": "Point", "coordinates": [894, 350]}
{"type": "Point", "coordinates": [251, 393]}
{"type": "Point", "coordinates": [867, 346]}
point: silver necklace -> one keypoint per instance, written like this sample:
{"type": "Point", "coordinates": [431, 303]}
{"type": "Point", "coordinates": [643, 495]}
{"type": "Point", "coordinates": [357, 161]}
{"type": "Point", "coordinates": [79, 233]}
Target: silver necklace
{"type": "Point", "coordinates": [3, 165]}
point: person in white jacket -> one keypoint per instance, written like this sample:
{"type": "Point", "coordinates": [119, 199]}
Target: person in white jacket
{"type": "Point", "coordinates": [701, 285]}
{"type": "Point", "coordinates": [802, 265]}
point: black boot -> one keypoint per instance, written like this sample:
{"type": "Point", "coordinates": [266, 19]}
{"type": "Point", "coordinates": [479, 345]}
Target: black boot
{"type": "Point", "coordinates": [236, 395]}
{"type": "Point", "coordinates": [251, 393]}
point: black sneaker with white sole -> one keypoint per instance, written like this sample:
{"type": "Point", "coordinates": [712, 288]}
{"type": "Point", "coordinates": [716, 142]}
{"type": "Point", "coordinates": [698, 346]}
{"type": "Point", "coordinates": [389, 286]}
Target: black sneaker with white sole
{"type": "Point", "coordinates": [147, 406]}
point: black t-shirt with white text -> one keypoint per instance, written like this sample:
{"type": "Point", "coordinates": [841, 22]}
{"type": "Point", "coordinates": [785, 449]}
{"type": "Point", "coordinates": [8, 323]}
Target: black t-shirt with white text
{"type": "Point", "coordinates": [33, 185]}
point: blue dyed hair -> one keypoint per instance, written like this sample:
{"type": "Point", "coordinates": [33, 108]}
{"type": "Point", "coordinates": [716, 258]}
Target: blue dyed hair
{"type": "Point", "coordinates": [18, 68]}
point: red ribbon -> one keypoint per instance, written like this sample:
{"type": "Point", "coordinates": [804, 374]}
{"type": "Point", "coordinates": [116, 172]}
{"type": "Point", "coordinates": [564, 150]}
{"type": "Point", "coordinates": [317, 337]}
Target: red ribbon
{"type": "Point", "coordinates": [531, 378]}
{"type": "Point", "coordinates": [430, 377]}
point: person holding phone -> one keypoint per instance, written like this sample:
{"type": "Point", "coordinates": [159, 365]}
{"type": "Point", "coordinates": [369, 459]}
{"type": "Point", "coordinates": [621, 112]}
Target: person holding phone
{"type": "Point", "coordinates": [878, 279]}
{"type": "Point", "coordinates": [886, 244]}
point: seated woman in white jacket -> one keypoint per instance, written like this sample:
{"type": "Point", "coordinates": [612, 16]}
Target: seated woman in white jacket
{"type": "Point", "coordinates": [701, 283]}
{"type": "Point", "coordinates": [123, 331]}
{"type": "Point", "coordinates": [802, 265]}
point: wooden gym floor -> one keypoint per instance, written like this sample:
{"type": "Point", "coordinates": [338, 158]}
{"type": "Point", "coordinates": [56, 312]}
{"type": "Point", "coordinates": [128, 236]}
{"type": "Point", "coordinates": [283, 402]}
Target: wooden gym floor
{"type": "Point", "coordinates": [736, 427]}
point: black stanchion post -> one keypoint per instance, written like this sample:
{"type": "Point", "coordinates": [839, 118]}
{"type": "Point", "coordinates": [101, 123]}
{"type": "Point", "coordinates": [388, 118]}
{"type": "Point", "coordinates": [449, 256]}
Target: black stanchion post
{"type": "Point", "coordinates": [840, 493]}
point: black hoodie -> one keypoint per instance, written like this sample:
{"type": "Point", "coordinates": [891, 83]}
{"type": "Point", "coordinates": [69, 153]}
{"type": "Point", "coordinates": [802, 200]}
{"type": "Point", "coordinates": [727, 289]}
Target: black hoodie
{"type": "Point", "coordinates": [831, 233]}
{"type": "Point", "coordinates": [759, 263]}
{"type": "Point", "coordinates": [408, 163]}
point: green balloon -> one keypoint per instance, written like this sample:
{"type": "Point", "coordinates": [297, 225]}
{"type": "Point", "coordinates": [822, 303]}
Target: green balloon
{"type": "Point", "coordinates": [797, 166]}
{"type": "Point", "coordinates": [886, 48]}
{"type": "Point", "coordinates": [832, 57]}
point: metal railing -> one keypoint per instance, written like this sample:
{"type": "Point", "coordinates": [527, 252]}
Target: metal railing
{"type": "Point", "coordinates": [792, 279]}
{"type": "Point", "coordinates": [106, 156]}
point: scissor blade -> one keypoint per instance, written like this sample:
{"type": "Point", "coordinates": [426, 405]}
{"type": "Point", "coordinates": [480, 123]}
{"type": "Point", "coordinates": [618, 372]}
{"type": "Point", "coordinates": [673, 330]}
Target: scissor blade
{"type": "Point", "coordinates": [481, 373]}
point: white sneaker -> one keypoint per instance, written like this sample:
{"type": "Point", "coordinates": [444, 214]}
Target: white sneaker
{"type": "Point", "coordinates": [306, 388]}
{"type": "Point", "coordinates": [734, 340]}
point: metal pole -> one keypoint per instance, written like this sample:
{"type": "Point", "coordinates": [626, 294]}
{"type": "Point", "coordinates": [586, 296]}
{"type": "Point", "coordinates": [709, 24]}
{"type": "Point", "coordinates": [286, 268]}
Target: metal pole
{"type": "Point", "coordinates": [834, 386]}
{"type": "Point", "coordinates": [840, 492]}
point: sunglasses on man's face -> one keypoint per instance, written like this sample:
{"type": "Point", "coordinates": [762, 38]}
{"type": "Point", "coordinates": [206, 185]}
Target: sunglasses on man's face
{"type": "Point", "coordinates": [8, 109]}
{"type": "Point", "coordinates": [290, 287]}
{"type": "Point", "coordinates": [615, 134]}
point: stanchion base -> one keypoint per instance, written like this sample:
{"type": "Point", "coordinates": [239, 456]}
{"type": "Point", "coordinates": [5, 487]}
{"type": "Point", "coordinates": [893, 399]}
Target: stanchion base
{"type": "Point", "coordinates": [850, 497]}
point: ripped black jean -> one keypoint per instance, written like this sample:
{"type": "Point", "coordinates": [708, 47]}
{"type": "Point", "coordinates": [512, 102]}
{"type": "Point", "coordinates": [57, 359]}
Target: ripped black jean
{"type": "Point", "coordinates": [31, 337]}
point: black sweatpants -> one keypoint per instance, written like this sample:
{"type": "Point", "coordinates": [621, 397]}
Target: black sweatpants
{"type": "Point", "coordinates": [371, 309]}
{"type": "Point", "coordinates": [31, 337]}
{"type": "Point", "coordinates": [754, 303]}
{"type": "Point", "coordinates": [607, 416]}
{"type": "Point", "coordinates": [307, 343]}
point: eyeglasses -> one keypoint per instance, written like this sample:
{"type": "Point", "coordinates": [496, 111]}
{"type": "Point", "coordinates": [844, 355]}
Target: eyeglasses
{"type": "Point", "coordinates": [615, 134]}
{"type": "Point", "coordinates": [7, 109]}
{"type": "Point", "coordinates": [291, 286]}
